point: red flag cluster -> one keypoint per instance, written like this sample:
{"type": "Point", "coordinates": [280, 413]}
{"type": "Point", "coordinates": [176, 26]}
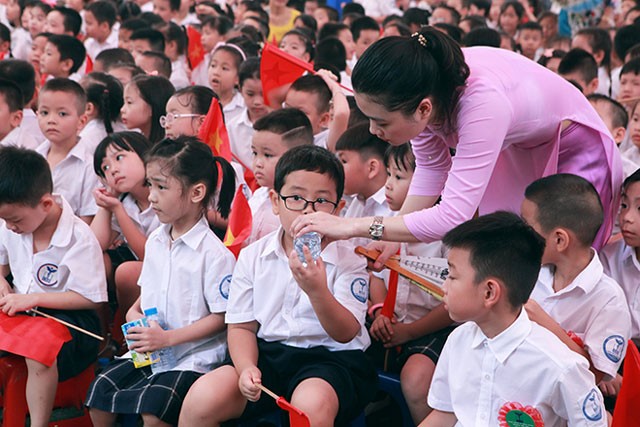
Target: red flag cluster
{"type": "Point", "coordinates": [278, 68]}
{"type": "Point", "coordinates": [240, 223]}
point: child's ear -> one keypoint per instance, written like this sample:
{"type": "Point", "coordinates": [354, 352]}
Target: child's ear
{"type": "Point", "coordinates": [66, 65]}
{"type": "Point", "coordinates": [492, 291]}
{"type": "Point", "coordinates": [593, 85]}
{"type": "Point", "coordinates": [374, 166]}
{"type": "Point", "coordinates": [341, 204]}
{"type": "Point", "coordinates": [275, 207]}
{"type": "Point", "coordinates": [618, 134]}
{"type": "Point", "coordinates": [15, 119]}
{"type": "Point", "coordinates": [424, 109]}
{"type": "Point", "coordinates": [325, 118]}
{"type": "Point", "coordinates": [561, 239]}
{"type": "Point", "coordinates": [598, 55]}
{"type": "Point", "coordinates": [197, 193]}
{"type": "Point", "coordinates": [90, 109]}
{"type": "Point", "coordinates": [82, 121]}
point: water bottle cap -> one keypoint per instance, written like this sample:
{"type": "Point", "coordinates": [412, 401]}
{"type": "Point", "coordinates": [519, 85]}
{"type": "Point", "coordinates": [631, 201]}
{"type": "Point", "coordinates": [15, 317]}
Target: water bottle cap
{"type": "Point", "coordinates": [151, 311]}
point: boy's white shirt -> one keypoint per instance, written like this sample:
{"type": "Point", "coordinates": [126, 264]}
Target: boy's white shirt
{"type": "Point", "coordinates": [594, 307]}
{"type": "Point", "coordinates": [19, 138]}
{"type": "Point", "coordinates": [31, 127]}
{"type": "Point", "coordinates": [234, 108]}
{"type": "Point", "coordinates": [282, 308]}
{"type": "Point", "coordinates": [620, 262]}
{"type": "Point", "coordinates": [187, 279]}
{"type": "Point", "coordinates": [21, 43]}
{"type": "Point", "coordinates": [179, 75]}
{"type": "Point", "coordinates": [94, 47]}
{"type": "Point", "coordinates": [72, 262]}
{"type": "Point", "coordinates": [320, 139]}
{"type": "Point", "coordinates": [240, 131]}
{"type": "Point", "coordinates": [94, 132]}
{"type": "Point", "coordinates": [75, 178]}
{"type": "Point", "coordinates": [264, 221]}
{"type": "Point", "coordinates": [478, 378]}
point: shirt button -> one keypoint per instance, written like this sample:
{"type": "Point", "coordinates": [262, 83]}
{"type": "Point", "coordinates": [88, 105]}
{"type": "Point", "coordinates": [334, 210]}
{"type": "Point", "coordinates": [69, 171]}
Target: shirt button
{"type": "Point", "coordinates": [487, 377]}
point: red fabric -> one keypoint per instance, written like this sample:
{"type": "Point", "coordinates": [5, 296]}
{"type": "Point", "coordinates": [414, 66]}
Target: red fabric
{"type": "Point", "coordinates": [213, 132]}
{"type": "Point", "coordinates": [392, 292]}
{"type": "Point", "coordinates": [195, 51]}
{"type": "Point", "coordinates": [250, 179]}
{"type": "Point", "coordinates": [240, 223]}
{"type": "Point", "coordinates": [297, 418]}
{"type": "Point", "coordinates": [278, 68]}
{"type": "Point", "coordinates": [627, 410]}
{"type": "Point", "coordinates": [36, 338]}
{"type": "Point", "coordinates": [88, 65]}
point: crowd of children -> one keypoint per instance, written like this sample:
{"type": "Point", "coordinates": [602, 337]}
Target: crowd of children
{"type": "Point", "coordinates": [111, 206]}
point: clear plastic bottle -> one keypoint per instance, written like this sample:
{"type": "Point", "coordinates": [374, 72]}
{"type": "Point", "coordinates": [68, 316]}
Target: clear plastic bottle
{"type": "Point", "coordinates": [166, 355]}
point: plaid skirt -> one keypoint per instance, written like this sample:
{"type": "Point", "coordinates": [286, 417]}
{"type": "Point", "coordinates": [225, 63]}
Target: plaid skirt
{"type": "Point", "coordinates": [123, 389]}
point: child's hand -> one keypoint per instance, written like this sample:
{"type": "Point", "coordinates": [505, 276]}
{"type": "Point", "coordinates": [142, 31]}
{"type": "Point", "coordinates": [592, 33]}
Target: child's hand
{"type": "Point", "coordinates": [382, 328]}
{"type": "Point", "coordinates": [310, 275]}
{"type": "Point", "coordinates": [535, 312]}
{"type": "Point", "coordinates": [247, 383]}
{"type": "Point", "coordinates": [106, 199]}
{"type": "Point", "coordinates": [12, 304]}
{"type": "Point", "coordinates": [401, 335]}
{"type": "Point", "coordinates": [5, 288]}
{"type": "Point", "coordinates": [611, 388]}
{"type": "Point", "coordinates": [148, 339]}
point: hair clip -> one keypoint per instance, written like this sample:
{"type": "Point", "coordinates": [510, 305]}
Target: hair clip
{"type": "Point", "coordinates": [421, 39]}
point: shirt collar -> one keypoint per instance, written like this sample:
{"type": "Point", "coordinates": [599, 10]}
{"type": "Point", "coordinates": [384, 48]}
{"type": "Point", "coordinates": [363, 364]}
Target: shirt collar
{"type": "Point", "coordinates": [61, 237]}
{"type": "Point", "coordinates": [191, 238]}
{"type": "Point", "coordinates": [629, 256]}
{"type": "Point", "coordinates": [505, 343]}
{"type": "Point", "coordinates": [586, 280]}
{"type": "Point", "coordinates": [236, 102]}
{"type": "Point", "coordinates": [379, 197]}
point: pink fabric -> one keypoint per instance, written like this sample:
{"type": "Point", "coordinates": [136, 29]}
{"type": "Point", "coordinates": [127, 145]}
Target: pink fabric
{"type": "Point", "coordinates": [507, 134]}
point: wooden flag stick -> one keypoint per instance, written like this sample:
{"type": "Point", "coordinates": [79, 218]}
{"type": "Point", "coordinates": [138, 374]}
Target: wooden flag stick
{"type": "Point", "coordinates": [67, 324]}
{"type": "Point", "coordinates": [629, 100]}
{"type": "Point", "coordinates": [266, 390]}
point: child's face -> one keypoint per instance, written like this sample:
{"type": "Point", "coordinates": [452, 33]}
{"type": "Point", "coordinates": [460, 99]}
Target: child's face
{"type": "Point", "coordinates": [162, 8]}
{"type": "Point", "coordinates": [629, 86]}
{"type": "Point", "coordinates": [634, 126]}
{"type": "Point", "coordinates": [530, 41]}
{"type": "Point", "coordinates": [322, 17]}
{"type": "Point", "coordinates": [397, 186]}
{"type": "Point", "coordinates": [463, 297]}
{"type": "Point", "coordinates": [26, 17]}
{"type": "Point", "coordinates": [308, 185]}
{"type": "Point", "coordinates": [509, 20]}
{"type": "Point", "coordinates": [50, 62]}
{"type": "Point", "coordinates": [59, 119]}
{"type": "Point", "coordinates": [123, 39]}
{"type": "Point", "coordinates": [123, 170]}
{"type": "Point", "coordinates": [267, 148]}
{"type": "Point", "coordinates": [529, 213]}
{"type": "Point", "coordinates": [166, 195]}
{"type": "Point", "coordinates": [92, 27]}
{"type": "Point", "coordinates": [136, 47]}
{"type": "Point", "coordinates": [252, 93]}
{"type": "Point", "coordinates": [355, 171]}
{"type": "Point", "coordinates": [9, 120]}
{"type": "Point", "coordinates": [54, 23]}
{"type": "Point", "coordinates": [180, 125]}
{"type": "Point", "coordinates": [37, 21]}
{"type": "Point", "coordinates": [630, 215]}
{"type": "Point", "coordinates": [24, 219]}
{"type": "Point", "coordinates": [366, 39]}
{"type": "Point", "coordinates": [37, 49]}
{"type": "Point", "coordinates": [122, 74]}
{"type": "Point", "coordinates": [135, 113]}
{"type": "Point", "coordinates": [294, 46]}
{"type": "Point", "coordinates": [13, 11]}
{"type": "Point", "coordinates": [549, 28]}
{"type": "Point", "coordinates": [346, 38]}
{"type": "Point", "coordinates": [307, 103]}
{"type": "Point", "coordinates": [223, 73]}
{"type": "Point", "coordinates": [210, 38]}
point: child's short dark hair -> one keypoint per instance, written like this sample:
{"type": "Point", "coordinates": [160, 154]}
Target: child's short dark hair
{"type": "Point", "coordinates": [197, 98]}
{"type": "Point", "coordinates": [360, 140]}
{"type": "Point", "coordinates": [69, 48]}
{"type": "Point", "coordinates": [482, 37]}
{"type": "Point", "coordinates": [314, 84]}
{"type": "Point", "coordinates": [625, 38]}
{"type": "Point", "coordinates": [331, 51]}
{"type": "Point", "coordinates": [598, 39]}
{"type": "Point", "coordinates": [452, 31]}
{"type": "Point", "coordinates": [416, 16]}
{"type": "Point", "coordinates": [151, 18]}
{"type": "Point", "coordinates": [619, 115]}
{"type": "Point", "coordinates": [133, 24]}
{"type": "Point", "coordinates": [309, 22]}
{"type": "Point", "coordinates": [161, 62]}
{"type": "Point", "coordinates": [24, 176]}
{"type": "Point", "coordinates": [313, 159]}
{"type": "Point", "coordinates": [402, 155]}
{"type": "Point", "coordinates": [174, 5]}
{"type": "Point", "coordinates": [221, 24]}
{"type": "Point", "coordinates": [5, 34]}
{"type": "Point", "coordinates": [70, 88]}
{"type": "Point", "coordinates": [567, 201]}
{"type": "Point", "coordinates": [531, 25]}
{"type": "Point", "coordinates": [154, 37]}
{"type": "Point", "coordinates": [331, 29]}
{"type": "Point", "coordinates": [482, 5]}
{"type": "Point", "coordinates": [290, 123]}
{"type": "Point", "coordinates": [103, 11]}
{"type": "Point", "coordinates": [503, 246]}
{"type": "Point", "coordinates": [361, 24]}
{"type": "Point", "coordinates": [127, 141]}
{"type": "Point", "coordinates": [332, 13]}
{"type": "Point", "coordinates": [400, 27]}
{"type": "Point", "coordinates": [116, 55]}
{"type": "Point", "coordinates": [249, 69]}
{"type": "Point", "coordinates": [632, 66]}
{"type": "Point", "coordinates": [12, 95]}
{"type": "Point", "coordinates": [355, 8]}
{"type": "Point", "coordinates": [579, 61]}
{"type": "Point", "coordinates": [631, 179]}
{"type": "Point", "coordinates": [71, 19]}
{"type": "Point", "coordinates": [22, 74]}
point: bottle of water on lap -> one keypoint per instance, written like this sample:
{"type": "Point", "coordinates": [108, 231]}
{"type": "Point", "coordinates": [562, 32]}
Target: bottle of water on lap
{"type": "Point", "coordinates": [166, 355]}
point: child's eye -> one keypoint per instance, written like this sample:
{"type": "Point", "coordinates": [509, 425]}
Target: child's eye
{"type": "Point", "coordinates": [146, 183]}
{"type": "Point", "coordinates": [398, 177]}
{"type": "Point", "coordinates": [105, 168]}
{"type": "Point", "coordinates": [119, 157]}
{"type": "Point", "coordinates": [254, 154]}
{"type": "Point", "coordinates": [268, 156]}
{"type": "Point", "coordinates": [62, 114]}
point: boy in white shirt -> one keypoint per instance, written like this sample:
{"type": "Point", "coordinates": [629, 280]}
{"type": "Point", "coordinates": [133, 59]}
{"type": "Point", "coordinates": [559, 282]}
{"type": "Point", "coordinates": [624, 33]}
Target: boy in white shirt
{"type": "Point", "coordinates": [573, 298]}
{"type": "Point", "coordinates": [57, 266]}
{"type": "Point", "coordinates": [500, 368]}
{"type": "Point", "coordinates": [61, 116]}
{"type": "Point", "coordinates": [100, 19]}
{"type": "Point", "coordinates": [301, 335]}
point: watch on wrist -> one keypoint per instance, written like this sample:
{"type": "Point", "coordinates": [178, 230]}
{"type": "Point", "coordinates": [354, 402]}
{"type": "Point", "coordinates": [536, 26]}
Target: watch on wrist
{"type": "Point", "coordinates": [376, 228]}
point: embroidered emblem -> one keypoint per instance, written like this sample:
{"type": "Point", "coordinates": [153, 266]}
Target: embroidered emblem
{"type": "Point", "coordinates": [513, 414]}
{"type": "Point", "coordinates": [47, 275]}
{"type": "Point", "coordinates": [224, 287]}
{"type": "Point", "coordinates": [592, 406]}
{"type": "Point", "coordinates": [613, 348]}
{"type": "Point", "coordinates": [360, 289]}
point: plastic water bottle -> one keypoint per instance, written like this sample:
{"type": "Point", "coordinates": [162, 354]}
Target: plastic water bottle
{"type": "Point", "coordinates": [166, 355]}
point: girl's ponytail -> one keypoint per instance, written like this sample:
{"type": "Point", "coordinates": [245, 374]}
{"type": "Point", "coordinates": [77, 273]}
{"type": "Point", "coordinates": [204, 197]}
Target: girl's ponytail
{"type": "Point", "coordinates": [106, 94]}
{"type": "Point", "coordinates": [106, 113]}
{"type": "Point", "coordinates": [227, 186]}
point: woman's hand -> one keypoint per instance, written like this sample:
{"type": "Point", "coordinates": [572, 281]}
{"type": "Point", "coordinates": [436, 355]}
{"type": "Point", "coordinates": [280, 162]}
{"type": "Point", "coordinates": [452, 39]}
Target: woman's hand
{"type": "Point", "coordinates": [386, 249]}
{"type": "Point", "coordinates": [329, 226]}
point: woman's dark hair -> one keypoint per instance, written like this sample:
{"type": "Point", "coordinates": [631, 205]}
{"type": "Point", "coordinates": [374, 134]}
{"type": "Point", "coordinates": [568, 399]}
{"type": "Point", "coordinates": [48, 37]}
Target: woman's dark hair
{"type": "Point", "coordinates": [399, 72]}
{"type": "Point", "coordinates": [192, 162]}
{"type": "Point", "coordinates": [127, 141]}
{"type": "Point", "coordinates": [197, 98]}
{"type": "Point", "coordinates": [155, 91]}
{"type": "Point", "coordinates": [105, 92]}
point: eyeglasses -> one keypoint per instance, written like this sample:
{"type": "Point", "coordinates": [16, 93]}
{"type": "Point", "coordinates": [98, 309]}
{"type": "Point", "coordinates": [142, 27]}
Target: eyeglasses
{"type": "Point", "coordinates": [170, 118]}
{"type": "Point", "coordinates": [297, 203]}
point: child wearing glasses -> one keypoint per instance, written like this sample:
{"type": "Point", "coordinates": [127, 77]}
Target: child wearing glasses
{"type": "Point", "coordinates": [186, 111]}
{"type": "Point", "coordinates": [303, 335]}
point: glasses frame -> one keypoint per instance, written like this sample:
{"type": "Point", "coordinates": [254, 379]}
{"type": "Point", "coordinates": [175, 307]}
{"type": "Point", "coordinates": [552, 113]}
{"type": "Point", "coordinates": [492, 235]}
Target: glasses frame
{"type": "Point", "coordinates": [306, 203]}
{"type": "Point", "coordinates": [164, 120]}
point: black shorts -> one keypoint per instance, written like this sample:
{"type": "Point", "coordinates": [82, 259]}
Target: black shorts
{"type": "Point", "coordinates": [283, 367]}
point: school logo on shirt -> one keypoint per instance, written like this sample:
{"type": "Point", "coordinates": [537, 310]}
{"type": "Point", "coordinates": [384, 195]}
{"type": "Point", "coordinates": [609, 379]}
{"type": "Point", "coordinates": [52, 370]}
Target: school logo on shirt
{"type": "Point", "coordinates": [514, 414]}
{"type": "Point", "coordinates": [47, 274]}
{"type": "Point", "coordinates": [224, 287]}
{"type": "Point", "coordinates": [360, 290]}
{"type": "Point", "coordinates": [613, 348]}
{"type": "Point", "coordinates": [592, 406]}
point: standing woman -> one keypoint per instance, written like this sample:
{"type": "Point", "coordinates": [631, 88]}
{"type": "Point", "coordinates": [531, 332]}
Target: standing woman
{"type": "Point", "coordinates": [281, 20]}
{"type": "Point", "coordinates": [509, 120]}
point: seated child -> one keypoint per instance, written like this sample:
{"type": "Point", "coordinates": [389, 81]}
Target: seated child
{"type": "Point", "coordinates": [44, 240]}
{"type": "Point", "coordinates": [214, 30]}
{"type": "Point", "coordinates": [175, 47]}
{"type": "Point", "coordinates": [100, 17]}
{"type": "Point", "coordinates": [420, 324]}
{"type": "Point", "coordinates": [275, 134]}
{"type": "Point", "coordinates": [311, 94]}
{"type": "Point", "coordinates": [224, 69]}
{"type": "Point", "coordinates": [186, 275]}
{"type": "Point", "coordinates": [573, 296]}
{"type": "Point", "coordinates": [61, 116]}
{"type": "Point", "coordinates": [632, 153]}
{"type": "Point", "coordinates": [154, 64]}
{"type": "Point", "coordinates": [63, 20]}
{"type": "Point", "coordinates": [303, 335]}
{"type": "Point", "coordinates": [104, 101]}
{"type": "Point", "coordinates": [63, 56]}
{"type": "Point", "coordinates": [146, 39]}
{"type": "Point", "coordinates": [529, 38]}
{"type": "Point", "coordinates": [579, 66]}
{"type": "Point", "coordinates": [501, 368]}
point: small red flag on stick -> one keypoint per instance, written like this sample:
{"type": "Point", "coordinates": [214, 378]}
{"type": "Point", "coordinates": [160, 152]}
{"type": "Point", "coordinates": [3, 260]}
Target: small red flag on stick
{"type": "Point", "coordinates": [240, 223]}
{"type": "Point", "coordinates": [627, 410]}
{"type": "Point", "coordinates": [297, 418]}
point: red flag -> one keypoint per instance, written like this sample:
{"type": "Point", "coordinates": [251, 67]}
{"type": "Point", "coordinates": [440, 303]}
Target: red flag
{"type": "Point", "coordinates": [213, 132]}
{"type": "Point", "coordinates": [240, 223]}
{"type": "Point", "coordinates": [195, 51]}
{"type": "Point", "coordinates": [390, 300]}
{"type": "Point", "coordinates": [297, 418]}
{"type": "Point", "coordinates": [627, 410]}
{"type": "Point", "coordinates": [35, 338]}
{"type": "Point", "coordinates": [278, 68]}
{"type": "Point", "coordinates": [88, 65]}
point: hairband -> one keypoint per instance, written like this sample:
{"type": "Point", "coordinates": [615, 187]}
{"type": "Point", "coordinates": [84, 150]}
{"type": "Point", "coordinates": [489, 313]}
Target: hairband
{"type": "Point", "coordinates": [233, 46]}
{"type": "Point", "coordinates": [421, 39]}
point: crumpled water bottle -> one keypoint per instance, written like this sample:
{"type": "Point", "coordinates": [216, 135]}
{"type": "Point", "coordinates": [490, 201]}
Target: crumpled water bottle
{"type": "Point", "coordinates": [311, 240]}
{"type": "Point", "coordinates": [166, 355]}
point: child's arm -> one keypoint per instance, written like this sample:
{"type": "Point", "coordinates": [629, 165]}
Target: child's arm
{"type": "Point", "coordinates": [377, 290]}
{"type": "Point", "coordinates": [439, 419]}
{"type": "Point", "coordinates": [5, 287]}
{"type": "Point", "coordinates": [101, 227]}
{"type": "Point", "coordinates": [340, 109]}
{"type": "Point", "coordinates": [400, 333]}
{"type": "Point", "coordinates": [109, 205]}
{"type": "Point", "coordinates": [243, 349]}
{"type": "Point", "coordinates": [135, 312]}
{"type": "Point", "coordinates": [136, 239]}
{"type": "Point", "coordinates": [337, 321]}
{"type": "Point", "coordinates": [69, 300]}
